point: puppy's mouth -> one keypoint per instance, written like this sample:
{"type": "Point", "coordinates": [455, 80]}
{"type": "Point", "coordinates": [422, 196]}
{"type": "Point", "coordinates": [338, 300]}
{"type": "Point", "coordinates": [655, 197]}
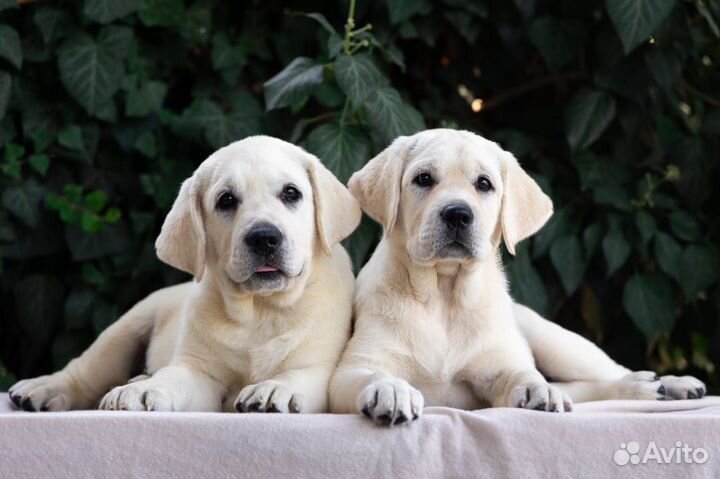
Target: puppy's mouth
{"type": "Point", "coordinates": [267, 272]}
{"type": "Point", "coordinates": [454, 249]}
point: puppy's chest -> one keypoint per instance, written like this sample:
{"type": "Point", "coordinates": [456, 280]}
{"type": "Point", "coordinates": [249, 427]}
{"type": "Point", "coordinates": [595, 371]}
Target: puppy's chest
{"type": "Point", "coordinates": [444, 340]}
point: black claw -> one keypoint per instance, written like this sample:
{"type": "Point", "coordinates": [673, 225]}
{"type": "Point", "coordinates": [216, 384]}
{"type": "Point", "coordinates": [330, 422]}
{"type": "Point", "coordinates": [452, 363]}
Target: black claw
{"type": "Point", "coordinates": [541, 407]}
{"type": "Point", "coordinates": [366, 411]}
{"type": "Point", "coordinates": [401, 419]}
{"type": "Point", "coordinates": [384, 419]}
{"type": "Point", "coordinates": [661, 390]}
{"type": "Point", "coordinates": [692, 394]}
{"type": "Point", "coordinates": [16, 399]}
{"type": "Point", "coordinates": [254, 407]}
{"type": "Point", "coordinates": [272, 408]}
{"type": "Point", "coordinates": [700, 392]}
{"type": "Point", "coordinates": [27, 405]}
{"type": "Point", "coordinates": [239, 407]}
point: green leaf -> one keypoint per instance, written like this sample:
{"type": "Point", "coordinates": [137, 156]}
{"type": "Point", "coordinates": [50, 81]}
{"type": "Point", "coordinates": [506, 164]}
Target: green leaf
{"type": "Point", "coordinates": [5, 87]}
{"type": "Point", "coordinates": [146, 144]}
{"type": "Point", "coordinates": [320, 18]}
{"type": "Point", "coordinates": [558, 41]}
{"type": "Point", "coordinates": [293, 83]}
{"type": "Point", "coordinates": [358, 76]}
{"type": "Point", "coordinates": [24, 202]}
{"type": "Point", "coordinates": [649, 300]}
{"type": "Point", "coordinates": [343, 149]}
{"type": "Point", "coordinates": [526, 284]}
{"type": "Point", "coordinates": [113, 215]}
{"type": "Point", "coordinates": [163, 13]}
{"type": "Point", "coordinates": [668, 254]}
{"type": "Point", "coordinates": [226, 56]}
{"type": "Point", "coordinates": [90, 72]}
{"type": "Point", "coordinates": [567, 256]}
{"type": "Point", "coordinates": [10, 48]}
{"type": "Point", "coordinates": [636, 20]}
{"type": "Point", "coordinates": [699, 269]}
{"type": "Point", "coordinates": [40, 163]}
{"type": "Point", "coordinates": [587, 116]}
{"type": "Point", "coordinates": [224, 128]}
{"type": "Point", "coordinates": [401, 10]}
{"type": "Point", "coordinates": [646, 225]}
{"type": "Point", "coordinates": [390, 116]}
{"type": "Point", "coordinates": [71, 137]}
{"type": "Point", "coordinates": [53, 23]}
{"type": "Point", "coordinates": [105, 11]}
{"type": "Point", "coordinates": [147, 99]}
{"type": "Point", "coordinates": [116, 39]}
{"type": "Point", "coordinates": [616, 250]}
{"type": "Point", "coordinates": [684, 226]}
{"type": "Point", "coordinates": [96, 201]}
{"type": "Point", "coordinates": [90, 222]}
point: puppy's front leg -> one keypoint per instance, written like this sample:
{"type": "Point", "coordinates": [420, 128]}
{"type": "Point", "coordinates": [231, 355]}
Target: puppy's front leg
{"type": "Point", "coordinates": [173, 388]}
{"type": "Point", "coordinates": [502, 379]}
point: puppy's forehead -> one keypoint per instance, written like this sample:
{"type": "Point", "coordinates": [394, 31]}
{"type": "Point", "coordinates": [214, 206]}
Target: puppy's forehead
{"type": "Point", "coordinates": [454, 151]}
{"type": "Point", "coordinates": [256, 166]}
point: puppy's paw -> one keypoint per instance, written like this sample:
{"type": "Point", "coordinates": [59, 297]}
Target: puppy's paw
{"type": "Point", "coordinates": [683, 387]}
{"type": "Point", "coordinates": [269, 396]}
{"type": "Point", "coordinates": [390, 401]}
{"type": "Point", "coordinates": [540, 396]}
{"type": "Point", "coordinates": [45, 393]}
{"type": "Point", "coordinates": [137, 396]}
{"type": "Point", "coordinates": [638, 385]}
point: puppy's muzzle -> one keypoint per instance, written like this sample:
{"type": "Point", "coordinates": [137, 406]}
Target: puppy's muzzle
{"type": "Point", "coordinates": [456, 216]}
{"type": "Point", "coordinates": [264, 239]}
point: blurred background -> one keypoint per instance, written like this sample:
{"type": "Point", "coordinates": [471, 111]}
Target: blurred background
{"type": "Point", "coordinates": [613, 106]}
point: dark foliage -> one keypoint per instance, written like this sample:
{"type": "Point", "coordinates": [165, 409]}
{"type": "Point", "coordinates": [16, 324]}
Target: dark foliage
{"type": "Point", "coordinates": [106, 105]}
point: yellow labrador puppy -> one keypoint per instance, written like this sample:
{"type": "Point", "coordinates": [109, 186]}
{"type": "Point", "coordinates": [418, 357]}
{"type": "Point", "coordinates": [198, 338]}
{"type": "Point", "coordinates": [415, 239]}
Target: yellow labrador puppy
{"type": "Point", "coordinates": [262, 328]}
{"type": "Point", "coordinates": [434, 321]}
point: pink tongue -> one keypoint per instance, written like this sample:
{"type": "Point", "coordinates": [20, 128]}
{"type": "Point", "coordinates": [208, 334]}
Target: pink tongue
{"type": "Point", "coordinates": [265, 269]}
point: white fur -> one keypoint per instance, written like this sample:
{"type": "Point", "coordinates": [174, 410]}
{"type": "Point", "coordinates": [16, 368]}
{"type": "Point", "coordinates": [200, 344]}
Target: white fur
{"type": "Point", "coordinates": [218, 343]}
{"type": "Point", "coordinates": [443, 330]}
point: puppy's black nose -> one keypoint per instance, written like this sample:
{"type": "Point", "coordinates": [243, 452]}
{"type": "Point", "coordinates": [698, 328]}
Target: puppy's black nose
{"type": "Point", "coordinates": [264, 239]}
{"type": "Point", "coordinates": [456, 216]}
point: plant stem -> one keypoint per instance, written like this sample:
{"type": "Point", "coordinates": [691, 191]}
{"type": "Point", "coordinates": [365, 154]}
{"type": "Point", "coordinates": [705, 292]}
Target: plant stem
{"type": "Point", "coordinates": [344, 111]}
{"type": "Point", "coordinates": [349, 26]}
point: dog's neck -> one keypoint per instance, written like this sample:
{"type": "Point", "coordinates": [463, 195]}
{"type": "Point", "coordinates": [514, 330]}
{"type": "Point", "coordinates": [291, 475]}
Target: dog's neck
{"type": "Point", "coordinates": [453, 282]}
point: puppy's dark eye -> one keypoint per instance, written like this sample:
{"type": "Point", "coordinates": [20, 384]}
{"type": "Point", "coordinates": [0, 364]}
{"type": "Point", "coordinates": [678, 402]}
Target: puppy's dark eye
{"type": "Point", "coordinates": [424, 180]}
{"type": "Point", "coordinates": [483, 184]}
{"type": "Point", "coordinates": [290, 194]}
{"type": "Point", "coordinates": [226, 202]}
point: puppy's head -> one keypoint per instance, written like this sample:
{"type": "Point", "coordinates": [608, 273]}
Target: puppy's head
{"type": "Point", "coordinates": [256, 213]}
{"type": "Point", "coordinates": [451, 196]}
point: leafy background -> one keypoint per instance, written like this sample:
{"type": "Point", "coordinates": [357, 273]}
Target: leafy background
{"type": "Point", "coordinates": [613, 106]}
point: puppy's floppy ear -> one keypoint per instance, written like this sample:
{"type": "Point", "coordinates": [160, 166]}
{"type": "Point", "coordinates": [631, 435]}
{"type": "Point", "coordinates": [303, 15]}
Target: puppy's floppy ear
{"type": "Point", "coordinates": [525, 208]}
{"type": "Point", "coordinates": [337, 213]}
{"type": "Point", "coordinates": [182, 242]}
{"type": "Point", "coordinates": [377, 184]}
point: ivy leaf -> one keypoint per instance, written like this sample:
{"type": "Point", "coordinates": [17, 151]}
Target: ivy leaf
{"type": "Point", "coordinates": [293, 83]}
{"type": "Point", "coordinates": [53, 23]}
{"type": "Point", "coordinates": [5, 88]}
{"type": "Point", "coordinates": [96, 201]}
{"type": "Point", "coordinates": [616, 250]}
{"type": "Point", "coordinates": [163, 13]}
{"type": "Point", "coordinates": [391, 116]}
{"type": "Point", "coordinates": [636, 20]}
{"type": "Point", "coordinates": [147, 99]}
{"type": "Point", "coordinates": [320, 18]}
{"type": "Point", "coordinates": [116, 39]}
{"type": "Point", "coordinates": [105, 11]}
{"type": "Point", "coordinates": [343, 149]}
{"type": "Point", "coordinates": [90, 72]}
{"type": "Point", "coordinates": [558, 41]}
{"type": "Point", "coordinates": [649, 300]}
{"type": "Point", "coordinates": [40, 163]}
{"type": "Point", "coordinates": [24, 202]}
{"type": "Point", "coordinates": [587, 116]}
{"type": "Point", "coordinates": [10, 48]}
{"type": "Point", "coordinates": [224, 128]}
{"type": "Point", "coordinates": [684, 226]}
{"type": "Point", "coordinates": [699, 269]}
{"type": "Point", "coordinates": [357, 75]}
{"type": "Point", "coordinates": [668, 254]}
{"type": "Point", "coordinates": [526, 284]}
{"type": "Point", "coordinates": [567, 256]}
{"type": "Point", "coordinates": [401, 10]}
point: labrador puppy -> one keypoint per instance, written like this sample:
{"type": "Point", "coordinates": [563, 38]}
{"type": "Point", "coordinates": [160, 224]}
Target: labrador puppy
{"type": "Point", "coordinates": [434, 321]}
{"type": "Point", "coordinates": [263, 325]}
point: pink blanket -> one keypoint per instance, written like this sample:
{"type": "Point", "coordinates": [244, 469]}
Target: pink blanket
{"type": "Point", "coordinates": [642, 439]}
